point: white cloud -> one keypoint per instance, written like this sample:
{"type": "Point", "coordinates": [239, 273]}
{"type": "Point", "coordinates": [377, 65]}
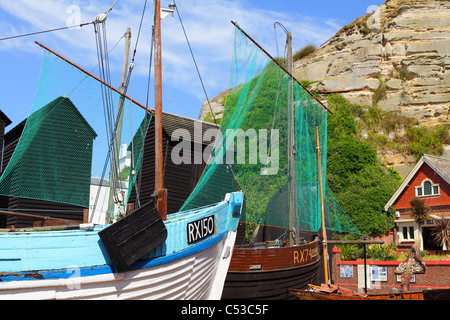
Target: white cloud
{"type": "Point", "coordinates": [371, 8]}
{"type": "Point", "coordinates": [207, 25]}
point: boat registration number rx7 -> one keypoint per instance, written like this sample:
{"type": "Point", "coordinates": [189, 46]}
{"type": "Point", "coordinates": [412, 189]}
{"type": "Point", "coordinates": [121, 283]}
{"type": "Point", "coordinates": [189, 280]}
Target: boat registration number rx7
{"type": "Point", "coordinates": [200, 229]}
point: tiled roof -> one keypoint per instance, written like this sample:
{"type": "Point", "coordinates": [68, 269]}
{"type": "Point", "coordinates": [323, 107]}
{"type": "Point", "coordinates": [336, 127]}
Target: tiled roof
{"type": "Point", "coordinates": [440, 165]}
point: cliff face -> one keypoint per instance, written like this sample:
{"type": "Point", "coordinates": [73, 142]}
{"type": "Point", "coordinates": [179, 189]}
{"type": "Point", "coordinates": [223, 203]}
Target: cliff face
{"type": "Point", "coordinates": [397, 57]}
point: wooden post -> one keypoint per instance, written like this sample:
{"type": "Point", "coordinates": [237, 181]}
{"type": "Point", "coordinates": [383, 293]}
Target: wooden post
{"type": "Point", "coordinates": [324, 231]}
{"type": "Point", "coordinates": [365, 269]}
{"type": "Point", "coordinates": [160, 192]}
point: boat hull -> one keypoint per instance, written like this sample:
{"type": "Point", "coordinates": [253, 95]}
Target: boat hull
{"type": "Point", "coordinates": [314, 295]}
{"type": "Point", "coordinates": [191, 277]}
{"type": "Point", "coordinates": [73, 264]}
{"type": "Point", "coordinates": [269, 273]}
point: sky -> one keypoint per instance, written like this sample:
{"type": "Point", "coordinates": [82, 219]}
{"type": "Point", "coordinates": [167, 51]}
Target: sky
{"type": "Point", "coordinates": [207, 24]}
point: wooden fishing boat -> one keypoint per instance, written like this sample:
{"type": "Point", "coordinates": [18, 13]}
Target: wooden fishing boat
{"type": "Point", "coordinates": [413, 264]}
{"type": "Point", "coordinates": [284, 260]}
{"type": "Point", "coordinates": [148, 254]}
{"type": "Point", "coordinates": [332, 292]}
{"type": "Point", "coordinates": [267, 273]}
{"type": "Point", "coordinates": [317, 293]}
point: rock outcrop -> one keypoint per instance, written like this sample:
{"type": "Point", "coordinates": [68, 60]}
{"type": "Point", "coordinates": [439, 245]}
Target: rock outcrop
{"type": "Point", "coordinates": [397, 57]}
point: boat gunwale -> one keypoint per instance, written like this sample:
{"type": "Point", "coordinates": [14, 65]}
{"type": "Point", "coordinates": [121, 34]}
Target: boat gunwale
{"type": "Point", "coordinates": [277, 270]}
{"type": "Point", "coordinates": [54, 274]}
{"type": "Point", "coordinates": [238, 247]}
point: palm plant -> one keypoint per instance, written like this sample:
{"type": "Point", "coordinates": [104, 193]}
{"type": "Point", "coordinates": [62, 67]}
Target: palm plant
{"type": "Point", "coordinates": [419, 210]}
{"type": "Point", "coordinates": [441, 232]}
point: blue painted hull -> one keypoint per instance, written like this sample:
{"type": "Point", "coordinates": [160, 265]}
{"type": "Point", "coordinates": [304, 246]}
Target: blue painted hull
{"type": "Point", "coordinates": [52, 257]}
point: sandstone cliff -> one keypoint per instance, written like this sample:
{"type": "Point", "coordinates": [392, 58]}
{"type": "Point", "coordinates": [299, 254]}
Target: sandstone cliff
{"type": "Point", "coordinates": [397, 57]}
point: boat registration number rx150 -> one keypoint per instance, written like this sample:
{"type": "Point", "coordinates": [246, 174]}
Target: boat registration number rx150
{"type": "Point", "coordinates": [200, 229]}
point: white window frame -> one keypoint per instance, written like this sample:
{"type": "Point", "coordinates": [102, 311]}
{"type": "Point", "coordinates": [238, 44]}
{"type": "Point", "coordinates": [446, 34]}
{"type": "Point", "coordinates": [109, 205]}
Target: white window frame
{"type": "Point", "coordinates": [408, 232]}
{"type": "Point", "coordinates": [422, 189]}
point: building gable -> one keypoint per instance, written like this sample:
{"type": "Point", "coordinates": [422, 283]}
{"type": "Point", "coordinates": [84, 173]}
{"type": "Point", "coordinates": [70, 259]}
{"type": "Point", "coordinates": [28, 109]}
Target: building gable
{"type": "Point", "coordinates": [429, 180]}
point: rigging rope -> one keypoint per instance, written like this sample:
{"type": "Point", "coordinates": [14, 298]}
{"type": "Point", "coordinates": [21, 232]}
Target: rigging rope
{"type": "Point", "coordinates": [46, 31]}
{"type": "Point", "coordinates": [195, 63]}
{"type": "Point", "coordinates": [204, 89]}
{"type": "Point", "coordinates": [112, 123]}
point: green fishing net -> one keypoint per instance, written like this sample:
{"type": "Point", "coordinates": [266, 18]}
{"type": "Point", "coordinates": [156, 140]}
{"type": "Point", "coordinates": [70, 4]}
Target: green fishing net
{"type": "Point", "coordinates": [64, 149]}
{"type": "Point", "coordinates": [251, 151]}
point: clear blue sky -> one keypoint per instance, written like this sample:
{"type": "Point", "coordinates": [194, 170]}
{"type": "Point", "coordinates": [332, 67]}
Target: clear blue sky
{"type": "Point", "coordinates": [207, 24]}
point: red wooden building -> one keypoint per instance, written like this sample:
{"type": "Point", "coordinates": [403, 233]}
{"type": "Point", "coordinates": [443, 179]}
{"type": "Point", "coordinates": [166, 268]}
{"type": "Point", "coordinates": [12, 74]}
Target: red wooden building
{"type": "Point", "coordinates": [428, 180]}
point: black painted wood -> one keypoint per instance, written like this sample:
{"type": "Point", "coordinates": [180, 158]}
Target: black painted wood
{"type": "Point", "coordinates": [134, 236]}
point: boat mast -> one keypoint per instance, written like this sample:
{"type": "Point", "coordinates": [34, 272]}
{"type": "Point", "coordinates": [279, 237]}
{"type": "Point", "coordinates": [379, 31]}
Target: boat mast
{"type": "Point", "coordinates": [116, 197]}
{"type": "Point", "coordinates": [292, 177]}
{"type": "Point", "coordinates": [324, 231]}
{"type": "Point", "coordinates": [160, 192]}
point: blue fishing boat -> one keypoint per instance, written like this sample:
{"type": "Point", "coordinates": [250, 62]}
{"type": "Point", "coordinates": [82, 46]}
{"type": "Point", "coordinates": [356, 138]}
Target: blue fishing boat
{"type": "Point", "coordinates": [71, 262]}
{"type": "Point", "coordinates": [147, 253]}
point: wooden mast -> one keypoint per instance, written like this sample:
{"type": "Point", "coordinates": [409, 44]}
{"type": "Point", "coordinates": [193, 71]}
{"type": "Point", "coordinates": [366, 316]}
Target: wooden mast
{"type": "Point", "coordinates": [160, 192]}
{"type": "Point", "coordinates": [292, 178]}
{"type": "Point", "coordinates": [324, 231]}
{"type": "Point", "coordinates": [114, 168]}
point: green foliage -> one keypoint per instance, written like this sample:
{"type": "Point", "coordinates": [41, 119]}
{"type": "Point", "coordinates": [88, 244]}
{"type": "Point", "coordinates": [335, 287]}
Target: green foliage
{"type": "Point", "coordinates": [403, 73]}
{"type": "Point", "coordinates": [385, 252]}
{"type": "Point", "coordinates": [361, 185]}
{"type": "Point", "coordinates": [427, 140]}
{"type": "Point", "coordinates": [307, 50]}
{"type": "Point", "coordinates": [210, 118]}
{"type": "Point", "coordinates": [341, 123]}
{"type": "Point", "coordinates": [124, 174]}
{"type": "Point", "coordinates": [381, 252]}
{"type": "Point", "coordinates": [347, 251]}
{"type": "Point", "coordinates": [383, 130]}
{"type": "Point", "coordinates": [379, 93]}
{"type": "Point", "coordinates": [306, 83]}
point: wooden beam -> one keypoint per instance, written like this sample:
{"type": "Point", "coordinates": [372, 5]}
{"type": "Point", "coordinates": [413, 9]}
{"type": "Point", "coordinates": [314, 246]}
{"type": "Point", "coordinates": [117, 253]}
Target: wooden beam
{"type": "Point", "coordinates": [93, 76]}
{"type": "Point", "coordinates": [31, 216]}
{"type": "Point", "coordinates": [355, 241]}
{"type": "Point", "coordinates": [282, 67]}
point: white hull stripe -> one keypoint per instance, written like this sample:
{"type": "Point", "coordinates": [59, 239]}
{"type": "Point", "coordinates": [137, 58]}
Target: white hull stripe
{"type": "Point", "coordinates": [107, 269]}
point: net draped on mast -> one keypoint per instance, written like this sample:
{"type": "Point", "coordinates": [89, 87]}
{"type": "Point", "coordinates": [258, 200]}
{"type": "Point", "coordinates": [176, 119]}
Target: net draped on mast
{"type": "Point", "coordinates": [253, 145]}
{"type": "Point", "coordinates": [64, 146]}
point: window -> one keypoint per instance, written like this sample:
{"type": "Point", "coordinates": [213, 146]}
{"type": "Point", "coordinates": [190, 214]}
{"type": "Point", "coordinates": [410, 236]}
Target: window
{"type": "Point", "coordinates": [435, 189]}
{"type": "Point", "coordinates": [408, 233]}
{"type": "Point", "coordinates": [427, 188]}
